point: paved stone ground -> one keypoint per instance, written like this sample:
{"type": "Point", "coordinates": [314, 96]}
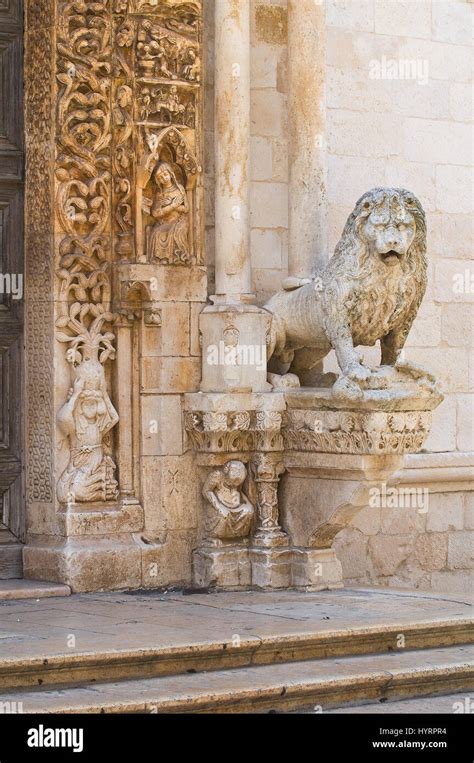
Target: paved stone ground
{"type": "Point", "coordinates": [110, 621]}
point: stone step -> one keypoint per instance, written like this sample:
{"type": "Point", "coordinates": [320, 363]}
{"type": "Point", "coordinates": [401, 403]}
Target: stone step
{"type": "Point", "coordinates": [450, 703]}
{"type": "Point", "coordinates": [73, 667]}
{"type": "Point", "coordinates": [12, 590]}
{"type": "Point", "coordinates": [321, 684]}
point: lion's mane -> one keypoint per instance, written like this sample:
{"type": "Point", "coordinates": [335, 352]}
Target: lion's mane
{"type": "Point", "coordinates": [350, 278]}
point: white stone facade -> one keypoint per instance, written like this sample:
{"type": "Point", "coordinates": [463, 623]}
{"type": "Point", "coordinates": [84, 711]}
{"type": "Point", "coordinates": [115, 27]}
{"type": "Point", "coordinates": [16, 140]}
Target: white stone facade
{"type": "Point", "coordinates": [399, 112]}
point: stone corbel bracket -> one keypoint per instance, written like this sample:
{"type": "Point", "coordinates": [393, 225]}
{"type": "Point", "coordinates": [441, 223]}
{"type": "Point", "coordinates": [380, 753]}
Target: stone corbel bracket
{"type": "Point", "coordinates": [334, 454]}
{"type": "Point", "coordinates": [350, 450]}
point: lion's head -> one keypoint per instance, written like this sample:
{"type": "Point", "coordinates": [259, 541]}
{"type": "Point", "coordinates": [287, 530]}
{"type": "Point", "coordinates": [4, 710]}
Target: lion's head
{"type": "Point", "coordinates": [379, 268]}
{"type": "Point", "coordinates": [387, 225]}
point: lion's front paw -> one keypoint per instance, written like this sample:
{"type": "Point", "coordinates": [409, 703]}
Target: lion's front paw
{"type": "Point", "coordinates": [357, 372]}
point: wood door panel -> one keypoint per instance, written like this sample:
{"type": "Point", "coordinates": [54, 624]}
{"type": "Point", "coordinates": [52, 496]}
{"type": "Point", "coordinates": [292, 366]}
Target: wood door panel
{"type": "Point", "coordinates": [11, 117]}
{"type": "Point", "coordinates": [11, 274]}
{"type": "Point", "coordinates": [10, 13]}
{"type": "Point", "coordinates": [11, 247]}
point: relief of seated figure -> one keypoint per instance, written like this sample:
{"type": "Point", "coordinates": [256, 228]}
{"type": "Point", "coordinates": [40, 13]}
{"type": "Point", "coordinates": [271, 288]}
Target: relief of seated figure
{"type": "Point", "coordinates": [168, 238]}
{"type": "Point", "coordinates": [230, 513]}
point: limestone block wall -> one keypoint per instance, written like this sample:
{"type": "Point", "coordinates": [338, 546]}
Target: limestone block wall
{"type": "Point", "coordinates": [414, 132]}
{"type": "Point", "coordinates": [386, 125]}
{"type": "Point", "coordinates": [417, 134]}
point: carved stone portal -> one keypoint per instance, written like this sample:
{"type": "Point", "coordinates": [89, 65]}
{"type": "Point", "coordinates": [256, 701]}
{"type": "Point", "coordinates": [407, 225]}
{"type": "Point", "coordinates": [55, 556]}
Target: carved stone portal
{"type": "Point", "coordinates": [127, 130]}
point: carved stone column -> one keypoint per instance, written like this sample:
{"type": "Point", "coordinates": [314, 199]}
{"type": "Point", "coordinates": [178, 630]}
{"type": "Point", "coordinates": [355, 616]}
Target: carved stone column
{"type": "Point", "coordinates": [232, 315]}
{"type": "Point", "coordinates": [80, 531]}
{"type": "Point", "coordinates": [307, 147]}
{"type": "Point", "coordinates": [232, 154]}
{"type": "Point", "coordinates": [124, 329]}
{"type": "Point", "coordinates": [245, 428]}
{"type": "Point", "coordinates": [270, 556]}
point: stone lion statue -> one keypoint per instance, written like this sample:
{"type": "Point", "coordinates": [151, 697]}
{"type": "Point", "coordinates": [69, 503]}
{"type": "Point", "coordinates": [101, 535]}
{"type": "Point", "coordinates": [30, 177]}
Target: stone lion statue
{"type": "Point", "coordinates": [370, 290]}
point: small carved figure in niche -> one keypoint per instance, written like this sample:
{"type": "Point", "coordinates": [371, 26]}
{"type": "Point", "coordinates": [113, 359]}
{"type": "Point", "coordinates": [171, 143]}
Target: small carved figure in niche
{"type": "Point", "coordinates": [172, 103]}
{"type": "Point", "coordinates": [190, 115]}
{"type": "Point", "coordinates": [162, 56]}
{"type": "Point", "coordinates": [168, 238]}
{"type": "Point", "coordinates": [231, 514]}
{"type": "Point", "coordinates": [145, 104]}
{"type": "Point", "coordinates": [166, 106]}
{"type": "Point", "coordinates": [192, 69]}
{"type": "Point", "coordinates": [85, 419]}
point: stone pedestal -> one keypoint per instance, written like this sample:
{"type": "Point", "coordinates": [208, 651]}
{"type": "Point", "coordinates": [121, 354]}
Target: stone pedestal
{"type": "Point", "coordinates": [234, 348]}
{"type": "Point", "coordinates": [222, 567]}
{"type": "Point", "coordinates": [316, 570]}
{"type": "Point", "coordinates": [328, 453]}
{"type": "Point", "coordinates": [91, 549]}
{"type": "Point", "coordinates": [271, 567]}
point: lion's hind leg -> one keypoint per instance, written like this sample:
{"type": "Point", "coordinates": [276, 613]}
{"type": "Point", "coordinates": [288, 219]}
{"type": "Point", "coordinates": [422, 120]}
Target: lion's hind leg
{"type": "Point", "coordinates": [308, 367]}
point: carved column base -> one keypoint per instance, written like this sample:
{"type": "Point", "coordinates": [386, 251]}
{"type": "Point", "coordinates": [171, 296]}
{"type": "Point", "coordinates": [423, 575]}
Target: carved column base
{"type": "Point", "coordinates": [272, 538]}
{"type": "Point", "coordinates": [222, 567]}
{"type": "Point", "coordinates": [316, 570]}
{"type": "Point", "coordinates": [271, 567]}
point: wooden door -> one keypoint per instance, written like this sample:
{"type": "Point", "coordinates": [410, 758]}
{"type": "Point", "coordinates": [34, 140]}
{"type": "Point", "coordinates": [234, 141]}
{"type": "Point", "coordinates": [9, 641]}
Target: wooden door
{"type": "Point", "coordinates": [11, 287]}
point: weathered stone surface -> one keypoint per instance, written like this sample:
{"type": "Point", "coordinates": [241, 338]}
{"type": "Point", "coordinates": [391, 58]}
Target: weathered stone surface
{"type": "Point", "coordinates": [222, 568]}
{"type": "Point", "coordinates": [316, 570]}
{"type": "Point", "coordinates": [271, 567]}
{"type": "Point", "coordinates": [352, 550]}
{"type": "Point", "coordinates": [469, 511]}
{"type": "Point", "coordinates": [431, 551]}
{"type": "Point", "coordinates": [402, 520]}
{"type": "Point", "coordinates": [445, 513]}
{"type": "Point", "coordinates": [389, 552]}
{"type": "Point", "coordinates": [460, 550]}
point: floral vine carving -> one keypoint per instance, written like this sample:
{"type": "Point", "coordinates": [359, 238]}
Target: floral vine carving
{"type": "Point", "coordinates": [83, 199]}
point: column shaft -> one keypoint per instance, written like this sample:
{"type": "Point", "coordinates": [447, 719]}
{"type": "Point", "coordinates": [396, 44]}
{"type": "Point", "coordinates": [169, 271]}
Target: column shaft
{"type": "Point", "coordinates": [307, 152]}
{"type": "Point", "coordinates": [125, 408]}
{"type": "Point", "coordinates": [232, 144]}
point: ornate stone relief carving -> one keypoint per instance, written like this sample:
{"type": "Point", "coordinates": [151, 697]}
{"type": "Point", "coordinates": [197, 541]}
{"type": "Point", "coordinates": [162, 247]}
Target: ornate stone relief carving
{"type": "Point", "coordinates": [229, 513]}
{"type": "Point", "coordinates": [355, 432]}
{"type": "Point", "coordinates": [317, 431]}
{"type": "Point", "coordinates": [235, 432]}
{"type": "Point", "coordinates": [39, 265]}
{"type": "Point", "coordinates": [157, 86]}
{"type": "Point", "coordinates": [126, 180]}
{"type": "Point", "coordinates": [83, 199]}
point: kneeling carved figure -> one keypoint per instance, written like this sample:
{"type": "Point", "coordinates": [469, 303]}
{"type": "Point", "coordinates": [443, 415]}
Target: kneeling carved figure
{"type": "Point", "coordinates": [370, 290]}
